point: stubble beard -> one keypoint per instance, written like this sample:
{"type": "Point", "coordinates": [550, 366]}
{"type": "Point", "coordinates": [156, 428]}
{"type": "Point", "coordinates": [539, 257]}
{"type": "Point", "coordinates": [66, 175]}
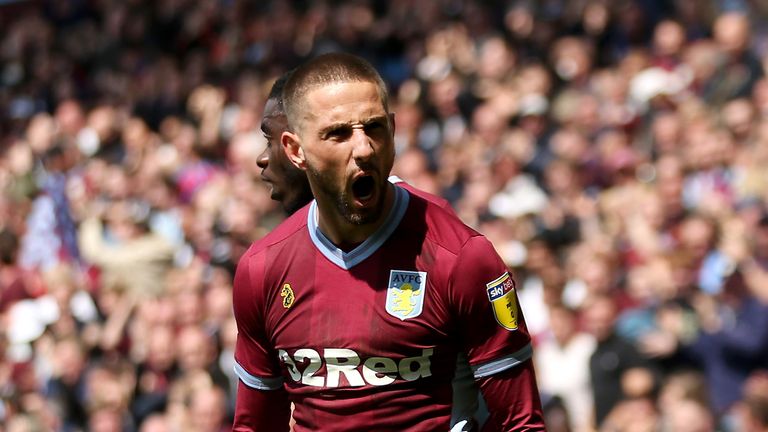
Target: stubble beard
{"type": "Point", "coordinates": [343, 201]}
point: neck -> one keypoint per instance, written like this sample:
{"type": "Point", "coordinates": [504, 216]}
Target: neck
{"type": "Point", "coordinates": [342, 232]}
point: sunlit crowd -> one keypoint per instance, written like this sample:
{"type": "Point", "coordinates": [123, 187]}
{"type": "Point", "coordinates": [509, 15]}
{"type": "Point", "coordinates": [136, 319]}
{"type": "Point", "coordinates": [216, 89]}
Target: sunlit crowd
{"type": "Point", "coordinates": [614, 152]}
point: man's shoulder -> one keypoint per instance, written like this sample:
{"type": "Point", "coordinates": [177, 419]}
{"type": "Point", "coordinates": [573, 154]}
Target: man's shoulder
{"type": "Point", "coordinates": [266, 255]}
{"type": "Point", "coordinates": [438, 200]}
{"type": "Point", "coordinates": [284, 232]}
{"type": "Point", "coordinates": [440, 226]}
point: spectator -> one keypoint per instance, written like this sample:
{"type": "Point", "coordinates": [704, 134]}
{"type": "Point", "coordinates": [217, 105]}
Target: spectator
{"type": "Point", "coordinates": [208, 409]}
{"type": "Point", "coordinates": [562, 364]}
{"type": "Point", "coordinates": [130, 256]}
{"type": "Point", "coordinates": [732, 34]}
{"type": "Point", "coordinates": [612, 357]}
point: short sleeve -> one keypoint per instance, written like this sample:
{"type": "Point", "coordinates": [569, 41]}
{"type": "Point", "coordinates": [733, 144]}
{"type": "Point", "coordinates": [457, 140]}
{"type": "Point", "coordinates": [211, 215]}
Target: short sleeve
{"type": "Point", "coordinates": [256, 362]}
{"type": "Point", "coordinates": [485, 304]}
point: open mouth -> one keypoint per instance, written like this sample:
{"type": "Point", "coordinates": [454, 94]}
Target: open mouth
{"type": "Point", "coordinates": [363, 188]}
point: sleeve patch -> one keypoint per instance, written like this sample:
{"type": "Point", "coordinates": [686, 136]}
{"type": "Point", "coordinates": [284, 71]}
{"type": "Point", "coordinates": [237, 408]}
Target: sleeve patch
{"type": "Point", "coordinates": [501, 294]}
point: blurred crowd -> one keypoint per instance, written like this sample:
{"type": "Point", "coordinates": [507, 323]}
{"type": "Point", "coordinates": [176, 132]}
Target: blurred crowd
{"type": "Point", "coordinates": [615, 152]}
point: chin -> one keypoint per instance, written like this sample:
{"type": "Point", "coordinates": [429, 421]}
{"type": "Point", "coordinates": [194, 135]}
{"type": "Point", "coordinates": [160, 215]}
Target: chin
{"type": "Point", "coordinates": [363, 216]}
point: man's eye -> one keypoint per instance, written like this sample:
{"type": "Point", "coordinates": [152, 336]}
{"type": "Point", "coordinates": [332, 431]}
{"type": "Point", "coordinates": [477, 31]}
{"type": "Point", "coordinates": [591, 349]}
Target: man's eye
{"type": "Point", "coordinates": [374, 126]}
{"type": "Point", "coordinates": [338, 133]}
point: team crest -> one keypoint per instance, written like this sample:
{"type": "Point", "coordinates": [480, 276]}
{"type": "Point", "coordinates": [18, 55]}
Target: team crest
{"type": "Point", "coordinates": [405, 293]}
{"type": "Point", "coordinates": [287, 294]}
{"type": "Point", "coordinates": [501, 293]}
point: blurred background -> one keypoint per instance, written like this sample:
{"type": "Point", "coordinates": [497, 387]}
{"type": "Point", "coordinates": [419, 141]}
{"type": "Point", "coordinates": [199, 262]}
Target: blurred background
{"type": "Point", "coordinates": [615, 152]}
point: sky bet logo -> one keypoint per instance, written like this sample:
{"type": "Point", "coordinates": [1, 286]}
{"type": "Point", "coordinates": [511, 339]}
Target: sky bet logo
{"type": "Point", "coordinates": [501, 294]}
{"type": "Point", "coordinates": [338, 362]}
{"type": "Point", "coordinates": [495, 292]}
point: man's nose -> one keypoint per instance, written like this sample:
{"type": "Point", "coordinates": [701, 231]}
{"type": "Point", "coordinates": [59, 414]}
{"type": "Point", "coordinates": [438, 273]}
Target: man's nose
{"type": "Point", "coordinates": [263, 159]}
{"type": "Point", "coordinates": [363, 146]}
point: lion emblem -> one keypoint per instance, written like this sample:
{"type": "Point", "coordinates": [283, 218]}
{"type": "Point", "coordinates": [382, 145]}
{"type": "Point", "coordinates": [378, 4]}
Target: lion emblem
{"type": "Point", "coordinates": [404, 300]}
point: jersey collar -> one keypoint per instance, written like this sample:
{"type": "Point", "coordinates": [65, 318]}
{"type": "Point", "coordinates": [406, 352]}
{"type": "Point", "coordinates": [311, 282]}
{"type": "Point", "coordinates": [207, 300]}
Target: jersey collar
{"type": "Point", "coordinates": [347, 260]}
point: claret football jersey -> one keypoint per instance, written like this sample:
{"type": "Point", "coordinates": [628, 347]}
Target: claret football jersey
{"type": "Point", "coordinates": [367, 339]}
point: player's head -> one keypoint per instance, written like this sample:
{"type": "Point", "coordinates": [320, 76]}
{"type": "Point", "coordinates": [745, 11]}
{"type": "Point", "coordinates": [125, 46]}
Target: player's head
{"type": "Point", "coordinates": [327, 69]}
{"type": "Point", "coordinates": [341, 134]}
{"type": "Point", "coordinates": [289, 184]}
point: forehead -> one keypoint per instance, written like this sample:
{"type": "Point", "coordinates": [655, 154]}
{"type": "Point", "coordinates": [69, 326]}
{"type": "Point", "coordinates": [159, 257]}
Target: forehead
{"type": "Point", "coordinates": [346, 102]}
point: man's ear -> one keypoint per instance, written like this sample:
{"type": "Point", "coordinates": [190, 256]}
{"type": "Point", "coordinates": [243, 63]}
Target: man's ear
{"type": "Point", "coordinates": [392, 122]}
{"type": "Point", "coordinates": [292, 147]}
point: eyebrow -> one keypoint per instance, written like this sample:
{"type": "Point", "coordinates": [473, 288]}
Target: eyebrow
{"type": "Point", "coordinates": [341, 125]}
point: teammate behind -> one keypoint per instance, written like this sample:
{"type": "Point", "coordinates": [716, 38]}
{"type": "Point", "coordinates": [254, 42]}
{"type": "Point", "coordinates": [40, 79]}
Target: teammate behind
{"type": "Point", "coordinates": [289, 184]}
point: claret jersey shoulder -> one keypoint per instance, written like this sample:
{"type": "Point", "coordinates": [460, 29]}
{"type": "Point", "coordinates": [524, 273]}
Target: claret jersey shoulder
{"type": "Point", "coordinates": [251, 282]}
{"type": "Point", "coordinates": [290, 226]}
{"type": "Point", "coordinates": [440, 201]}
{"type": "Point", "coordinates": [440, 225]}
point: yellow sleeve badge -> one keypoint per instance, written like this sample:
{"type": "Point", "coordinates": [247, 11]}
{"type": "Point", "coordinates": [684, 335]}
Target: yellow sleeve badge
{"type": "Point", "coordinates": [287, 294]}
{"type": "Point", "coordinates": [501, 293]}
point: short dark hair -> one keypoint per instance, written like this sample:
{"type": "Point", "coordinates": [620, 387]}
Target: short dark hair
{"type": "Point", "coordinates": [328, 69]}
{"type": "Point", "coordinates": [276, 92]}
